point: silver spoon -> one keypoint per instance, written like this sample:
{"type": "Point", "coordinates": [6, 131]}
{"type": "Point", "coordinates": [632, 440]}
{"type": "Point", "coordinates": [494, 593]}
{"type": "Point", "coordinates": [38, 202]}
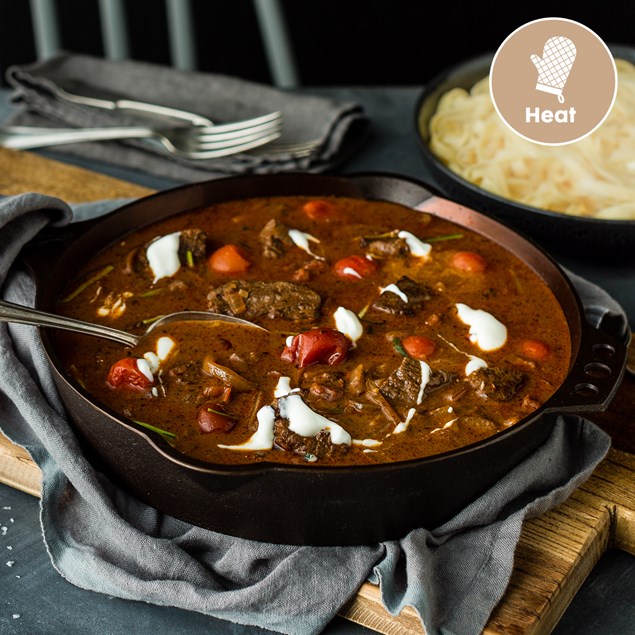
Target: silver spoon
{"type": "Point", "coordinates": [10, 312]}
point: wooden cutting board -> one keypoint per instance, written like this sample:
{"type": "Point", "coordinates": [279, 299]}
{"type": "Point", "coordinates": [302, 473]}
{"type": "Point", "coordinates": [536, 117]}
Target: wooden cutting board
{"type": "Point", "coordinates": [556, 551]}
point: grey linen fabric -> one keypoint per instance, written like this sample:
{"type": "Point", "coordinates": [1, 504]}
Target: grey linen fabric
{"type": "Point", "coordinates": [340, 126]}
{"type": "Point", "coordinates": [101, 539]}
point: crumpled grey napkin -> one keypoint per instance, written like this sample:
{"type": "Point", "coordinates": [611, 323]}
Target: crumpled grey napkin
{"type": "Point", "coordinates": [99, 538]}
{"type": "Point", "coordinates": [340, 126]}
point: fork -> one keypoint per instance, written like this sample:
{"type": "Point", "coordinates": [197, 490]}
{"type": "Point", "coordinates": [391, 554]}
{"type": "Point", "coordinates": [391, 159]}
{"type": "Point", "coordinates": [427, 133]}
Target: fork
{"type": "Point", "coordinates": [86, 95]}
{"type": "Point", "coordinates": [96, 98]}
{"type": "Point", "coordinates": [191, 142]}
{"type": "Point", "coordinates": [292, 150]}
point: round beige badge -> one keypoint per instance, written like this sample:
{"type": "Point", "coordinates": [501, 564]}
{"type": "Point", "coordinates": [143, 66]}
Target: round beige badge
{"type": "Point", "coordinates": [553, 81]}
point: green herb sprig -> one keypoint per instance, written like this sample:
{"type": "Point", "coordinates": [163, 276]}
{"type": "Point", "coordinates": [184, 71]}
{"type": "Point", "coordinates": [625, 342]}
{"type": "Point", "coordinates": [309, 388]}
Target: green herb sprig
{"type": "Point", "coordinates": [91, 280]}
{"type": "Point", "coordinates": [396, 342]}
{"type": "Point", "coordinates": [164, 433]}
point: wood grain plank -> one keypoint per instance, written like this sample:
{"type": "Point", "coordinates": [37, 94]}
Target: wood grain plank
{"type": "Point", "coordinates": [575, 535]}
{"type": "Point", "coordinates": [17, 469]}
{"type": "Point", "coordinates": [367, 609]}
{"type": "Point", "coordinates": [29, 172]}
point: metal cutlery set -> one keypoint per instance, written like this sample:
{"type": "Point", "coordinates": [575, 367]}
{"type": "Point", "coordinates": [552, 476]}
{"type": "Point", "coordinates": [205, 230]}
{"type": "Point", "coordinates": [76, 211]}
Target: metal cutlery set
{"type": "Point", "coordinates": [191, 142]}
{"type": "Point", "coordinates": [181, 133]}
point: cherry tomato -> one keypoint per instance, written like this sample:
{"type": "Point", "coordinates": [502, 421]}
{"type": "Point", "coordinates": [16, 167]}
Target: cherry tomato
{"type": "Point", "coordinates": [125, 375]}
{"type": "Point", "coordinates": [229, 259]}
{"type": "Point", "coordinates": [320, 210]}
{"type": "Point", "coordinates": [355, 267]}
{"type": "Point", "coordinates": [418, 346]}
{"type": "Point", "coordinates": [535, 350]}
{"type": "Point", "coordinates": [317, 346]}
{"type": "Point", "coordinates": [211, 419]}
{"type": "Point", "coordinates": [469, 262]}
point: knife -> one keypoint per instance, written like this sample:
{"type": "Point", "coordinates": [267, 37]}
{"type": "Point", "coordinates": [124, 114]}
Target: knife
{"type": "Point", "coordinates": [86, 95]}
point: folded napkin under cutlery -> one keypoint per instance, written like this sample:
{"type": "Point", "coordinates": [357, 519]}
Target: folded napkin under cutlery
{"type": "Point", "coordinates": [339, 127]}
{"type": "Point", "coordinates": [102, 539]}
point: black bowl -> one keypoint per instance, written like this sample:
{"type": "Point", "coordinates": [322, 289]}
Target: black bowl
{"type": "Point", "coordinates": [561, 233]}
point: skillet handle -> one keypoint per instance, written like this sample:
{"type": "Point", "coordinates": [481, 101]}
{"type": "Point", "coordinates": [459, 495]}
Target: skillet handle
{"type": "Point", "coordinates": [596, 374]}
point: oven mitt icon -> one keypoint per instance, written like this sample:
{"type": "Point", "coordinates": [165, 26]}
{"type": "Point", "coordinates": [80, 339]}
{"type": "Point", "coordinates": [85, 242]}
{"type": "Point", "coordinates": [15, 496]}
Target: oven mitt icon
{"type": "Point", "coordinates": [555, 65]}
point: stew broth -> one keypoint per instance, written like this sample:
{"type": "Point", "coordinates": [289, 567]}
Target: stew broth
{"type": "Point", "coordinates": [392, 334]}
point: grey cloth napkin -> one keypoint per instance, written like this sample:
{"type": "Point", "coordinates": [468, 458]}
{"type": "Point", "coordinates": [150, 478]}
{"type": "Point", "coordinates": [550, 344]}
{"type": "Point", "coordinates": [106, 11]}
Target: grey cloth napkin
{"type": "Point", "coordinates": [340, 126]}
{"type": "Point", "coordinates": [100, 538]}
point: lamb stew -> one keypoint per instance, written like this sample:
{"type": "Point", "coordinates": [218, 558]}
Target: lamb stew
{"type": "Point", "coordinates": [391, 334]}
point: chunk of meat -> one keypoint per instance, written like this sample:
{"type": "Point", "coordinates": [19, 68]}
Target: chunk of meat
{"type": "Point", "coordinates": [185, 374]}
{"type": "Point", "coordinates": [325, 385]}
{"type": "Point", "coordinates": [497, 384]}
{"type": "Point", "coordinates": [403, 385]}
{"type": "Point", "coordinates": [388, 247]}
{"type": "Point", "coordinates": [183, 382]}
{"type": "Point", "coordinates": [356, 380]}
{"type": "Point", "coordinates": [320, 446]}
{"type": "Point", "coordinates": [274, 239]}
{"type": "Point", "coordinates": [308, 270]}
{"type": "Point", "coordinates": [192, 245]}
{"type": "Point", "coordinates": [393, 303]}
{"type": "Point", "coordinates": [375, 397]}
{"type": "Point", "coordinates": [250, 300]}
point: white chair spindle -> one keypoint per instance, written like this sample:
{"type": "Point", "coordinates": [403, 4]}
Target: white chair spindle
{"type": "Point", "coordinates": [181, 34]}
{"type": "Point", "coordinates": [114, 29]}
{"type": "Point", "coordinates": [277, 43]}
{"type": "Point", "coordinates": [46, 32]}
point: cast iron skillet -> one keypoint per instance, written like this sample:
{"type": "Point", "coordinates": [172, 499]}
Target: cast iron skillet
{"type": "Point", "coordinates": [308, 504]}
{"type": "Point", "coordinates": [608, 239]}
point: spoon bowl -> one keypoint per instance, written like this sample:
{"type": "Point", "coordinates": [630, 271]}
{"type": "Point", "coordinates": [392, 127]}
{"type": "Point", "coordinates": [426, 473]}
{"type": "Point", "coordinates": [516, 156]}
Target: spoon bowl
{"type": "Point", "coordinates": [199, 316]}
{"type": "Point", "coordinates": [19, 314]}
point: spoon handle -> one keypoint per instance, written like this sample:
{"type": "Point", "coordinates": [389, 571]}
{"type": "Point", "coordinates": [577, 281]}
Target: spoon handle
{"type": "Point", "coordinates": [19, 314]}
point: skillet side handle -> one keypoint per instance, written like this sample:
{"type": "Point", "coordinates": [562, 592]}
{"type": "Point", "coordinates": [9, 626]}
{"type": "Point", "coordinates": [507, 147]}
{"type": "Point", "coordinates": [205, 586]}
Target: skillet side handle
{"type": "Point", "coordinates": [596, 374]}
